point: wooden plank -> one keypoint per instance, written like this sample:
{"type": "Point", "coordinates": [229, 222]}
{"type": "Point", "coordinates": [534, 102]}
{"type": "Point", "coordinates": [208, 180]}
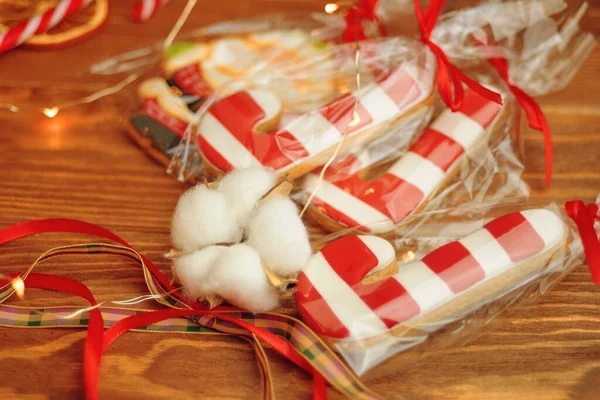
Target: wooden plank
{"type": "Point", "coordinates": [81, 165]}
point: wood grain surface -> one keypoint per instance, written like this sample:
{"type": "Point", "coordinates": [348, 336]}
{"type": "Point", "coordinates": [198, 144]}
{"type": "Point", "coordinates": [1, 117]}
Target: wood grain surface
{"type": "Point", "coordinates": [81, 165]}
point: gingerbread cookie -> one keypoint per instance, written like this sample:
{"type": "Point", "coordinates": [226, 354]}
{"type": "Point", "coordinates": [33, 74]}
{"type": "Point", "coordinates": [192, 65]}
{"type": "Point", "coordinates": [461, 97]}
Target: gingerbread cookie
{"type": "Point", "coordinates": [253, 128]}
{"type": "Point", "coordinates": [335, 298]}
{"type": "Point", "coordinates": [344, 199]}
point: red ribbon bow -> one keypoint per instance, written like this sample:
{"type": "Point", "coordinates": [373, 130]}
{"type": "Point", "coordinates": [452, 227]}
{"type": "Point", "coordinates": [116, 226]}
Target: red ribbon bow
{"type": "Point", "coordinates": [364, 10]}
{"type": "Point", "coordinates": [534, 113]}
{"type": "Point", "coordinates": [584, 217]}
{"type": "Point", "coordinates": [449, 78]}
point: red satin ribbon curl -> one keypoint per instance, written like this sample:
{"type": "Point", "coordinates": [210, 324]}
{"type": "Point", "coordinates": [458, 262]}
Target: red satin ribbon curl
{"type": "Point", "coordinates": [534, 113]}
{"type": "Point", "coordinates": [449, 78]}
{"type": "Point", "coordinates": [364, 10]}
{"type": "Point", "coordinates": [584, 217]}
{"type": "Point", "coordinates": [97, 340]}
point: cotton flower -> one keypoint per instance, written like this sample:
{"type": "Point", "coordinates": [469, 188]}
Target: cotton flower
{"type": "Point", "coordinates": [274, 235]}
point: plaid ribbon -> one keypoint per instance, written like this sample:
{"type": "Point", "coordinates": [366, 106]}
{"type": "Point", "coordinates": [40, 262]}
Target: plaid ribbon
{"type": "Point", "coordinates": [301, 338]}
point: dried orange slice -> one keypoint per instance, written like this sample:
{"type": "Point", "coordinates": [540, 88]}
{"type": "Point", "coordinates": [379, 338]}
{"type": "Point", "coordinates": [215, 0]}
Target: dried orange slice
{"type": "Point", "coordinates": [74, 29]}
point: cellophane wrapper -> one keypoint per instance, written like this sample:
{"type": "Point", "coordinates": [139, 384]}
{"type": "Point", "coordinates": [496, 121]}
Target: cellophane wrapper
{"type": "Point", "coordinates": [359, 130]}
{"type": "Point", "coordinates": [296, 56]}
{"type": "Point", "coordinates": [458, 270]}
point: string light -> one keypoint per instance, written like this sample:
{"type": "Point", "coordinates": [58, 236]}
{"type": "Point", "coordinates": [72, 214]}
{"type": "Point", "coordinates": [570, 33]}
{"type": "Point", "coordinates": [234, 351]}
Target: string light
{"type": "Point", "coordinates": [408, 257]}
{"type": "Point", "coordinates": [19, 287]}
{"type": "Point", "coordinates": [51, 112]}
{"type": "Point", "coordinates": [10, 107]}
{"type": "Point", "coordinates": [355, 119]}
{"type": "Point", "coordinates": [330, 8]}
{"type": "Point", "coordinates": [128, 302]}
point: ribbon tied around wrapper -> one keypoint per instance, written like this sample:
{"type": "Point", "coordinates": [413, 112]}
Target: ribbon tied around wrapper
{"type": "Point", "coordinates": [584, 217]}
{"type": "Point", "coordinates": [535, 116]}
{"type": "Point", "coordinates": [363, 10]}
{"type": "Point", "coordinates": [449, 78]}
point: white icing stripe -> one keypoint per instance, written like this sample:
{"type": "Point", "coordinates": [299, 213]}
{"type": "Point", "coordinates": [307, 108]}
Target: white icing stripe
{"type": "Point", "coordinates": [377, 103]}
{"type": "Point", "coordinates": [314, 132]}
{"type": "Point", "coordinates": [349, 205]}
{"type": "Point", "coordinates": [418, 171]}
{"type": "Point", "coordinates": [459, 127]}
{"type": "Point", "coordinates": [348, 307]}
{"type": "Point", "coordinates": [490, 255]}
{"type": "Point", "coordinates": [547, 224]}
{"type": "Point", "coordinates": [59, 13]}
{"type": "Point", "coordinates": [268, 102]}
{"type": "Point", "coordinates": [381, 248]}
{"type": "Point", "coordinates": [30, 29]}
{"type": "Point", "coordinates": [423, 285]}
{"type": "Point", "coordinates": [225, 143]}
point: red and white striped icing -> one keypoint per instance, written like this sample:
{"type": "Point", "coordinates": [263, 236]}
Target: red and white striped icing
{"type": "Point", "coordinates": [40, 23]}
{"type": "Point", "coordinates": [334, 302]}
{"type": "Point", "coordinates": [228, 140]}
{"type": "Point", "coordinates": [143, 10]}
{"type": "Point", "coordinates": [384, 202]}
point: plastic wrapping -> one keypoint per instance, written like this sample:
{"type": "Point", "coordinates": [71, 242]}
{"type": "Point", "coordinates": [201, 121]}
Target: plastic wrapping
{"type": "Point", "coordinates": [291, 115]}
{"type": "Point", "coordinates": [315, 89]}
{"type": "Point", "coordinates": [450, 275]}
{"type": "Point", "coordinates": [367, 148]}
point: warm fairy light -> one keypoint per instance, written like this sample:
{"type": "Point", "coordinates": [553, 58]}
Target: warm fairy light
{"type": "Point", "coordinates": [19, 286]}
{"type": "Point", "coordinates": [408, 257]}
{"type": "Point", "coordinates": [330, 8]}
{"type": "Point", "coordinates": [355, 119]}
{"type": "Point", "coordinates": [50, 112]}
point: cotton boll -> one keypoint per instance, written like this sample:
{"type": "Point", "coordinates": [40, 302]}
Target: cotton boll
{"type": "Point", "coordinates": [278, 234]}
{"type": "Point", "coordinates": [203, 217]}
{"type": "Point", "coordinates": [191, 270]}
{"type": "Point", "coordinates": [237, 275]}
{"type": "Point", "coordinates": [244, 187]}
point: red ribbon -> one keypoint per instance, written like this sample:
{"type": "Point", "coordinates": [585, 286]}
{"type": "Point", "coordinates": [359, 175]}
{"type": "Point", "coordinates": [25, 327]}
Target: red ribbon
{"type": "Point", "coordinates": [364, 10]}
{"type": "Point", "coordinates": [584, 217]}
{"type": "Point", "coordinates": [534, 113]}
{"type": "Point", "coordinates": [449, 78]}
{"type": "Point", "coordinates": [97, 340]}
{"type": "Point", "coordinates": [95, 330]}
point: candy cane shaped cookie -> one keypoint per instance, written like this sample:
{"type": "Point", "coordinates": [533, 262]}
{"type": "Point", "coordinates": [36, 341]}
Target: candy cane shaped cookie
{"type": "Point", "coordinates": [335, 299]}
{"type": "Point", "coordinates": [237, 131]}
{"type": "Point", "coordinates": [345, 200]}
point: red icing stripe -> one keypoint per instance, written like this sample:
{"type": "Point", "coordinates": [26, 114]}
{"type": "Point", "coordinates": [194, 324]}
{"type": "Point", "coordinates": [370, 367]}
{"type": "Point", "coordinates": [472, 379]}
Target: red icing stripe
{"type": "Point", "coordinates": [437, 148]}
{"type": "Point", "coordinates": [190, 80]}
{"type": "Point", "coordinates": [153, 110]}
{"type": "Point", "coordinates": [352, 260]}
{"type": "Point", "coordinates": [455, 265]}
{"type": "Point", "coordinates": [516, 235]}
{"type": "Point", "coordinates": [214, 156]}
{"type": "Point", "coordinates": [390, 195]}
{"type": "Point", "coordinates": [401, 87]}
{"type": "Point", "coordinates": [275, 149]}
{"type": "Point", "coordinates": [316, 312]}
{"type": "Point", "coordinates": [479, 109]}
{"type": "Point", "coordinates": [341, 112]}
{"type": "Point", "coordinates": [336, 215]}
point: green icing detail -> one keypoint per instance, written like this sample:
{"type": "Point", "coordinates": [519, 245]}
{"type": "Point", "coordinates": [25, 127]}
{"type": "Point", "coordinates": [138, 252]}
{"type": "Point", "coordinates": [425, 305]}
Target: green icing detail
{"type": "Point", "coordinates": [177, 48]}
{"type": "Point", "coordinates": [320, 45]}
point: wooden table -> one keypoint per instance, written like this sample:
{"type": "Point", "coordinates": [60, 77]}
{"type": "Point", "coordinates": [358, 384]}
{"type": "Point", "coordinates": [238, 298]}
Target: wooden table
{"type": "Point", "coordinates": [81, 165]}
